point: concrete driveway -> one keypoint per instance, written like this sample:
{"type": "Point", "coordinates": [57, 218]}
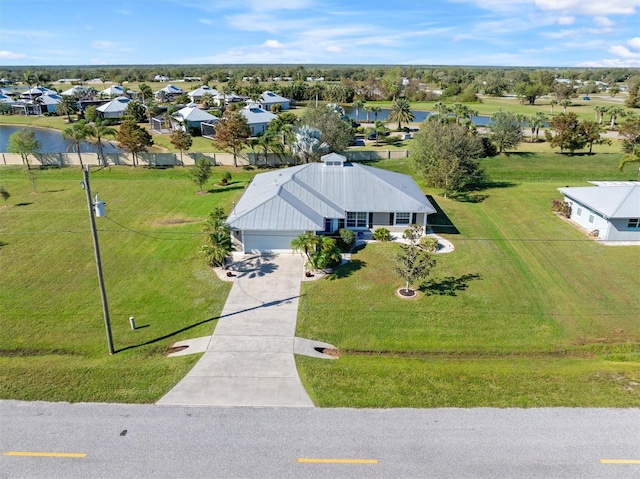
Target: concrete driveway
{"type": "Point", "coordinates": [249, 360]}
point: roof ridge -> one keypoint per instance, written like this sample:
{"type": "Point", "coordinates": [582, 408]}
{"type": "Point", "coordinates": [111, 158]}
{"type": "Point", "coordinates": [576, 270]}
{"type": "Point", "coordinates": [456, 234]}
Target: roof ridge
{"type": "Point", "coordinates": [632, 189]}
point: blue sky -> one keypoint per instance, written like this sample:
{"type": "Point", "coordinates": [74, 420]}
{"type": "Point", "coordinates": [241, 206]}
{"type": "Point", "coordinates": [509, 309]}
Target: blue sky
{"type": "Point", "coordinates": [588, 33]}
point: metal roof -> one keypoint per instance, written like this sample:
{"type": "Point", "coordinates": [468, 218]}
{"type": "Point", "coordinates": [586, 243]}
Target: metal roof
{"type": "Point", "coordinates": [270, 97]}
{"type": "Point", "coordinates": [255, 114]}
{"type": "Point", "coordinates": [609, 201]}
{"type": "Point", "coordinates": [116, 105]}
{"type": "Point", "coordinates": [191, 113]}
{"type": "Point", "coordinates": [300, 197]}
{"type": "Point", "coordinates": [203, 90]}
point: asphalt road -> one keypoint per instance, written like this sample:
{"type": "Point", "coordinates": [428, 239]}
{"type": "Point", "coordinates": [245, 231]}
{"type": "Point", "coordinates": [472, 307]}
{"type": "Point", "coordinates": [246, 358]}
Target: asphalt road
{"type": "Point", "coordinates": [125, 441]}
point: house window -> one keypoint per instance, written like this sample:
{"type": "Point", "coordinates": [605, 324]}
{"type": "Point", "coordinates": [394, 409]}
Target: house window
{"type": "Point", "coordinates": [356, 219]}
{"type": "Point", "coordinates": [579, 211]}
{"type": "Point", "coordinates": [403, 218]}
{"type": "Point", "coordinates": [590, 218]}
{"type": "Point", "coordinates": [634, 223]}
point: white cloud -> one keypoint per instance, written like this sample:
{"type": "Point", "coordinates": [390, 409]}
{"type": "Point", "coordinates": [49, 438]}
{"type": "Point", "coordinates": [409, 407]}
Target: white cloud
{"type": "Point", "coordinates": [206, 21]}
{"type": "Point", "coordinates": [603, 22]}
{"type": "Point", "coordinates": [566, 20]}
{"type": "Point", "coordinates": [103, 45]}
{"type": "Point", "coordinates": [333, 49]}
{"type": "Point", "coordinates": [11, 55]}
{"type": "Point", "coordinates": [624, 52]}
{"type": "Point", "coordinates": [273, 44]}
{"type": "Point", "coordinates": [590, 7]}
{"type": "Point", "coordinates": [634, 43]}
{"type": "Point", "coordinates": [268, 5]}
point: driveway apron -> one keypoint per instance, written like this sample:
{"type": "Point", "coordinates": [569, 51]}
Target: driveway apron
{"type": "Point", "coordinates": [249, 360]}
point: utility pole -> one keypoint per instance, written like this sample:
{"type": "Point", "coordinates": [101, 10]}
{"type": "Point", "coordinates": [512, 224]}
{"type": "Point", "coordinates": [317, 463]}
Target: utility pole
{"type": "Point", "coordinates": [96, 247]}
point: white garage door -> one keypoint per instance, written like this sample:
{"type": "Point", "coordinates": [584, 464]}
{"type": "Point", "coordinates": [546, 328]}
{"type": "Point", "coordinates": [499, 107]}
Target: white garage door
{"type": "Point", "coordinates": [269, 241]}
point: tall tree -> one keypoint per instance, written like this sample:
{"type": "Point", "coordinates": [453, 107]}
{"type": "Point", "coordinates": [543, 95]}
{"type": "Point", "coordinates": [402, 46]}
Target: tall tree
{"type": "Point", "coordinates": [506, 130]}
{"type": "Point", "coordinates": [592, 134]}
{"type": "Point", "coordinates": [629, 131]}
{"type": "Point", "coordinates": [24, 143]}
{"type": "Point", "coordinates": [134, 139]}
{"type": "Point", "coordinates": [567, 134]}
{"type": "Point", "coordinates": [401, 112]}
{"type": "Point", "coordinates": [357, 105]}
{"type": "Point", "coordinates": [334, 126]}
{"type": "Point", "coordinates": [629, 159]}
{"type": "Point", "coordinates": [447, 155]}
{"type": "Point", "coordinates": [136, 111]}
{"type": "Point", "coordinates": [614, 112]}
{"type": "Point", "coordinates": [100, 130]}
{"type": "Point", "coordinates": [77, 134]}
{"type": "Point", "coordinates": [536, 122]}
{"type": "Point", "coordinates": [553, 102]}
{"type": "Point", "coordinates": [181, 141]}
{"type": "Point", "coordinates": [145, 92]}
{"type": "Point", "coordinates": [232, 133]}
{"type": "Point", "coordinates": [67, 106]}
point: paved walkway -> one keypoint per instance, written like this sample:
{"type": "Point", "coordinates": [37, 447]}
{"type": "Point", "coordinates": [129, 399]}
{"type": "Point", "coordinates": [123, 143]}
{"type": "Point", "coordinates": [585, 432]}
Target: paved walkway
{"type": "Point", "coordinates": [249, 359]}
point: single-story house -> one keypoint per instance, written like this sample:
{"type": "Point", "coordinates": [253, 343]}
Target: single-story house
{"type": "Point", "coordinates": [609, 211]}
{"type": "Point", "coordinates": [116, 108]}
{"type": "Point", "coordinates": [6, 99]}
{"type": "Point", "coordinates": [321, 198]}
{"type": "Point", "coordinates": [49, 102]}
{"type": "Point", "coordinates": [113, 90]}
{"type": "Point", "coordinates": [35, 92]}
{"type": "Point", "coordinates": [197, 94]}
{"type": "Point", "coordinates": [268, 99]}
{"type": "Point", "coordinates": [193, 116]}
{"type": "Point", "coordinates": [168, 91]}
{"type": "Point", "coordinates": [75, 90]}
{"type": "Point", "coordinates": [257, 118]}
{"type": "Point", "coordinates": [227, 99]}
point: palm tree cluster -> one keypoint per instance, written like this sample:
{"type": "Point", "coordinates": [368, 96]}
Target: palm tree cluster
{"type": "Point", "coordinates": [218, 234]}
{"type": "Point", "coordinates": [320, 251]}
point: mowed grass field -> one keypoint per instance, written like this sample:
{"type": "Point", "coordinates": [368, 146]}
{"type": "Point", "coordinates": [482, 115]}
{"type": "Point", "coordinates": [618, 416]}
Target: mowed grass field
{"type": "Point", "coordinates": [52, 336]}
{"type": "Point", "coordinates": [526, 311]}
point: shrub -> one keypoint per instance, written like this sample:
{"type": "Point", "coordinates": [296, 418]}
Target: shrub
{"type": "Point", "coordinates": [429, 243]}
{"type": "Point", "coordinates": [561, 207]}
{"type": "Point", "coordinates": [226, 178]}
{"type": "Point", "coordinates": [382, 234]}
{"type": "Point", "coordinates": [347, 239]}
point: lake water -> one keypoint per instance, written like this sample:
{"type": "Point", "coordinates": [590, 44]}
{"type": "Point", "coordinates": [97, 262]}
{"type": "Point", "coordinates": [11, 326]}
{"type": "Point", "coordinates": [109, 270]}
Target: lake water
{"type": "Point", "coordinates": [52, 141]}
{"type": "Point", "coordinates": [419, 115]}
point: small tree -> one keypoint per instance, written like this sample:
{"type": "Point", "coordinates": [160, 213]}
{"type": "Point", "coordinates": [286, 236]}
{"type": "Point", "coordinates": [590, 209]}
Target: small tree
{"type": "Point", "coordinates": [24, 143]}
{"type": "Point", "coordinates": [134, 139]}
{"type": "Point", "coordinates": [218, 234]}
{"type": "Point", "coordinates": [4, 194]}
{"type": "Point", "coordinates": [201, 172]}
{"type": "Point", "coordinates": [181, 140]}
{"type": "Point", "coordinates": [77, 134]}
{"type": "Point", "coordinates": [232, 133]}
{"type": "Point", "coordinates": [414, 262]}
{"type": "Point", "coordinates": [506, 130]}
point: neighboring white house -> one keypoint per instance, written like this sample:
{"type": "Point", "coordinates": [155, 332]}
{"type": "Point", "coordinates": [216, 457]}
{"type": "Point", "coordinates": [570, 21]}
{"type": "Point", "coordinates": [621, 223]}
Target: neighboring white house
{"type": "Point", "coordinates": [197, 94]}
{"type": "Point", "coordinates": [321, 198]}
{"type": "Point", "coordinates": [609, 211]}
{"type": "Point", "coordinates": [269, 99]}
{"type": "Point", "coordinates": [169, 91]}
{"type": "Point", "coordinates": [257, 118]}
{"type": "Point", "coordinates": [75, 90]}
{"type": "Point", "coordinates": [34, 92]}
{"type": "Point", "coordinates": [113, 90]}
{"type": "Point", "coordinates": [116, 108]}
{"type": "Point", "coordinates": [193, 116]}
{"type": "Point", "coordinates": [49, 102]}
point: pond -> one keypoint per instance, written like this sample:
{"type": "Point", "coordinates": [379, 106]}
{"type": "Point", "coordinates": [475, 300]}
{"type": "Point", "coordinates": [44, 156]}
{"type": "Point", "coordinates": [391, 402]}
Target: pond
{"type": "Point", "coordinates": [419, 115]}
{"type": "Point", "coordinates": [52, 141]}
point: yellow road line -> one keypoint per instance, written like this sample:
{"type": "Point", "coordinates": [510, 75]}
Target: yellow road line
{"type": "Point", "coordinates": [44, 454]}
{"type": "Point", "coordinates": [338, 461]}
{"type": "Point", "coordinates": [620, 461]}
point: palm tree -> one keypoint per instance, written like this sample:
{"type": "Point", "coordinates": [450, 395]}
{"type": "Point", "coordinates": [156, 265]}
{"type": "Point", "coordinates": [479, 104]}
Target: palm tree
{"type": "Point", "coordinates": [631, 158]}
{"type": "Point", "coordinates": [401, 112]}
{"type": "Point", "coordinates": [615, 112]}
{"type": "Point", "coordinates": [536, 122]}
{"type": "Point", "coordinates": [441, 108]}
{"type": "Point", "coordinates": [552, 102]}
{"type": "Point", "coordinates": [219, 243]}
{"type": "Point", "coordinates": [357, 105]}
{"type": "Point", "coordinates": [145, 92]}
{"type": "Point", "coordinates": [379, 129]}
{"type": "Point", "coordinates": [600, 111]}
{"type": "Point", "coordinates": [308, 143]}
{"type": "Point", "coordinates": [305, 243]}
{"type": "Point", "coordinates": [66, 107]}
{"type": "Point", "coordinates": [98, 131]}
{"type": "Point", "coordinates": [375, 110]}
{"type": "Point", "coordinates": [77, 134]}
{"type": "Point", "coordinates": [463, 111]}
{"type": "Point", "coordinates": [564, 104]}
{"type": "Point", "coordinates": [367, 110]}
{"type": "Point", "coordinates": [270, 141]}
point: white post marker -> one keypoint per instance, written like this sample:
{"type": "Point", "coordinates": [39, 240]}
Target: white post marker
{"type": "Point", "coordinates": [132, 322]}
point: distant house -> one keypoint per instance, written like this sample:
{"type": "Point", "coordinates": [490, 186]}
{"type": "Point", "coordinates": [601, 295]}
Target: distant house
{"type": "Point", "coordinates": [6, 99]}
{"type": "Point", "coordinates": [609, 211]}
{"type": "Point", "coordinates": [227, 99]}
{"type": "Point", "coordinates": [76, 90]}
{"type": "Point", "coordinates": [169, 91]}
{"type": "Point", "coordinates": [197, 94]}
{"type": "Point", "coordinates": [161, 78]}
{"type": "Point", "coordinates": [257, 118]}
{"type": "Point", "coordinates": [49, 103]}
{"type": "Point", "coordinates": [281, 205]}
{"type": "Point", "coordinates": [269, 99]}
{"type": "Point", "coordinates": [192, 116]}
{"type": "Point", "coordinates": [112, 91]}
{"type": "Point", "coordinates": [116, 108]}
{"type": "Point", "coordinates": [35, 92]}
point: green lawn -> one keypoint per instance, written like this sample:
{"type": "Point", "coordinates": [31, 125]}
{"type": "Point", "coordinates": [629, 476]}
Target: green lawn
{"type": "Point", "coordinates": [526, 312]}
{"type": "Point", "coordinates": [52, 337]}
